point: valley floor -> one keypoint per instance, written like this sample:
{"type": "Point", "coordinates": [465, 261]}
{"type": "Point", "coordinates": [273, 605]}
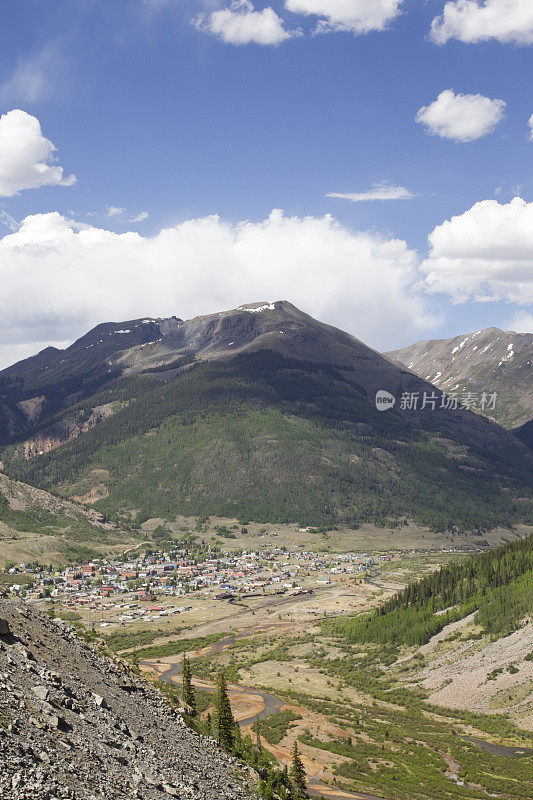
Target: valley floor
{"type": "Point", "coordinates": [449, 720]}
{"type": "Point", "coordinates": [294, 669]}
{"type": "Point", "coordinates": [369, 736]}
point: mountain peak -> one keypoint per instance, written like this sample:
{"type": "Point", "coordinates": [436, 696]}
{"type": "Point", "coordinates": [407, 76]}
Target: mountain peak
{"type": "Point", "coordinates": [489, 360]}
{"type": "Point", "coordinates": [256, 410]}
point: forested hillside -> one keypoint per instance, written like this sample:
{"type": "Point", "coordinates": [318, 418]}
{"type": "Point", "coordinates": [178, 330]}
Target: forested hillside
{"type": "Point", "coordinates": [497, 585]}
{"type": "Point", "coordinates": [265, 437]}
{"type": "Point", "coordinates": [525, 433]}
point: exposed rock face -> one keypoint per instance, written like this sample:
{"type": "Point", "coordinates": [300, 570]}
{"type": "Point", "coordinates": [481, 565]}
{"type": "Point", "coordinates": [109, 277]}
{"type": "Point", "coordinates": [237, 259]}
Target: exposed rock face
{"type": "Point", "coordinates": [490, 360]}
{"type": "Point", "coordinates": [77, 725]}
{"type": "Point", "coordinates": [63, 431]}
{"type": "Point", "coordinates": [32, 408]}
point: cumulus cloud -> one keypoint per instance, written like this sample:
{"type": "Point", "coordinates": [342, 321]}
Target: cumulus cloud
{"type": "Point", "coordinates": [475, 21]}
{"type": "Point", "coordinates": [379, 191]}
{"type": "Point", "coordinates": [241, 24]}
{"type": "Point", "coordinates": [461, 117]}
{"type": "Point", "coordinates": [357, 16]}
{"type": "Point", "coordinates": [26, 157]}
{"type": "Point", "coordinates": [61, 277]}
{"type": "Point", "coordinates": [485, 254]}
{"type": "Point", "coordinates": [530, 123]}
{"type": "Point", "coordinates": [114, 211]}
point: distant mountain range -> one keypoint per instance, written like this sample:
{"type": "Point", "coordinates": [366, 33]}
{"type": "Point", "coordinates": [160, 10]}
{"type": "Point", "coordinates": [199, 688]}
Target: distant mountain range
{"type": "Point", "coordinates": [487, 361]}
{"type": "Point", "coordinates": [262, 413]}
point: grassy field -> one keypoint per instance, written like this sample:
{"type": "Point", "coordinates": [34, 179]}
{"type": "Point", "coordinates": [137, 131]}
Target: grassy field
{"type": "Point", "coordinates": [76, 540]}
{"type": "Point", "coordinates": [365, 538]}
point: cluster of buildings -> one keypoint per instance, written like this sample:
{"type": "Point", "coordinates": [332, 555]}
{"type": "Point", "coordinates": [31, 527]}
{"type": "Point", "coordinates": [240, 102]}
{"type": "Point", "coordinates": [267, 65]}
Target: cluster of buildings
{"type": "Point", "coordinates": [131, 585]}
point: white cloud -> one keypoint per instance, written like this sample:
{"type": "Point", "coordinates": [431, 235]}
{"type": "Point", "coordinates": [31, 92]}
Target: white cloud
{"type": "Point", "coordinates": [7, 220]}
{"type": "Point", "coordinates": [118, 211]}
{"type": "Point", "coordinates": [33, 78]}
{"type": "Point", "coordinates": [485, 254]}
{"type": "Point", "coordinates": [140, 217]}
{"type": "Point", "coordinates": [521, 322]}
{"type": "Point", "coordinates": [26, 156]}
{"type": "Point", "coordinates": [530, 123]}
{"type": "Point", "coordinates": [241, 24]}
{"type": "Point", "coordinates": [60, 277]}
{"type": "Point", "coordinates": [462, 117]}
{"type": "Point", "coordinates": [379, 191]}
{"type": "Point", "coordinates": [358, 16]}
{"type": "Point", "coordinates": [475, 21]}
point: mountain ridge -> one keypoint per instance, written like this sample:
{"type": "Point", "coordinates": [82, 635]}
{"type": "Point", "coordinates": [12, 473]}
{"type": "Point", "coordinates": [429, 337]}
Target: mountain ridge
{"type": "Point", "coordinates": [489, 360]}
{"type": "Point", "coordinates": [260, 412]}
{"type": "Point", "coordinates": [247, 328]}
{"type": "Point", "coordinates": [205, 336]}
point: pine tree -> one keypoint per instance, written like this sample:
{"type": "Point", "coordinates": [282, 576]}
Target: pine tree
{"type": "Point", "coordinates": [297, 775]}
{"type": "Point", "coordinates": [238, 744]}
{"type": "Point", "coordinates": [225, 724]}
{"type": "Point", "coordinates": [188, 695]}
{"type": "Point", "coordinates": [258, 737]}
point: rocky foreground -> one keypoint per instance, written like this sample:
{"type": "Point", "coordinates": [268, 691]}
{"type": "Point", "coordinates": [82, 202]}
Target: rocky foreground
{"type": "Point", "coordinates": [74, 724]}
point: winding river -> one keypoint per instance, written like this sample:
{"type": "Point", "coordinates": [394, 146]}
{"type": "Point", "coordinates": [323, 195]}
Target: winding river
{"type": "Point", "coordinates": [499, 749]}
{"type": "Point", "coordinates": [273, 705]}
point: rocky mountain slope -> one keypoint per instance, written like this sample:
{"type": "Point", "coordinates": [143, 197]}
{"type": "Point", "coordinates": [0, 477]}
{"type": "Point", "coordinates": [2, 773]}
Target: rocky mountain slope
{"type": "Point", "coordinates": [261, 413]}
{"type": "Point", "coordinates": [77, 725]}
{"type": "Point", "coordinates": [474, 673]}
{"type": "Point", "coordinates": [35, 392]}
{"type": "Point", "coordinates": [488, 361]}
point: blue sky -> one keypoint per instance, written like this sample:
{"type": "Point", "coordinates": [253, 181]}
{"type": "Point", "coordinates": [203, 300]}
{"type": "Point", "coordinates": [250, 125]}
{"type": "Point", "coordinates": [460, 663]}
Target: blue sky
{"type": "Point", "coordinates": [158, 116]}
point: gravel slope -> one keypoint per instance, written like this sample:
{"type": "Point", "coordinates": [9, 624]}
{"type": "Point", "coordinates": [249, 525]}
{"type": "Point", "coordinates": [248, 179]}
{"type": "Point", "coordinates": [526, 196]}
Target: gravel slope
{"type": "Point", "coordinates": [76, 725]}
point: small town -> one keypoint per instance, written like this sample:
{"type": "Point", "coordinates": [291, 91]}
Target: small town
{"type": "Point", "coordinates": [125, 589]}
